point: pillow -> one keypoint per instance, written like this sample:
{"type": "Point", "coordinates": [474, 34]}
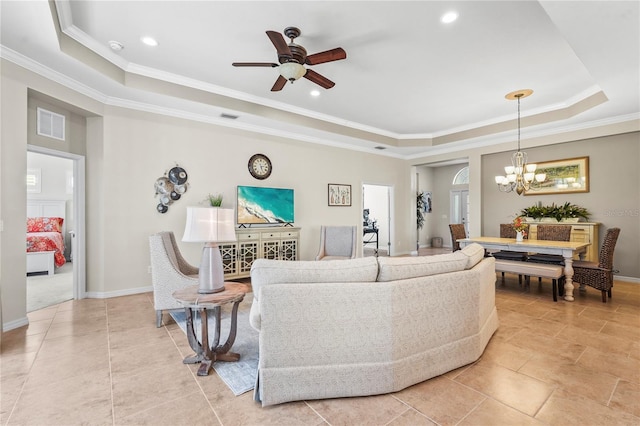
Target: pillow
{"type": "Point", "coordinates": [44, 224]}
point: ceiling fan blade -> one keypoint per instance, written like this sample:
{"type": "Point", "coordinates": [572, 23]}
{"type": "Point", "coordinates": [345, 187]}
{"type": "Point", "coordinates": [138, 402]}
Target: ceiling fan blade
{"type": "Point", "coordinates": [254, 64]}
{"type": "Point", "coordinates": [326, 56]}
{"type": "Point", "coordinates": [279, 42]}
{"type": "Point", "coordinates": [319, 79]}
{"type": "Point", "coordinates": [279, 84]}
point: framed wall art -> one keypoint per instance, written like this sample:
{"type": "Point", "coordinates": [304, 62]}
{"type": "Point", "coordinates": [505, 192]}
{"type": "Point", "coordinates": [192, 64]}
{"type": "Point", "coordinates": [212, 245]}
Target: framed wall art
{"type": "Point", "coordinates": [339, 195]}
{"type": "Point", "coordinates": [565, 176]}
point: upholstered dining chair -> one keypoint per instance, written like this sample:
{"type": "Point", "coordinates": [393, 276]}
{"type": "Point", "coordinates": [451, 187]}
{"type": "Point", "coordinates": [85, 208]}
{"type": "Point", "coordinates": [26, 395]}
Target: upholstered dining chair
{"type": "Point", "coordinates": [337, 242]}
{"type": "Point", "coordinates": [169, 272]}
{"type": "Point", "coordinates": [457, 233]}
{"type": "Point", "coordinates": [507, 231]}
{"type": "Point", "coordinates": [599, 275]}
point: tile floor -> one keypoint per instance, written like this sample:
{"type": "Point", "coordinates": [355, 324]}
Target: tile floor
{"type": "Point", "coordinates": [103, 362]}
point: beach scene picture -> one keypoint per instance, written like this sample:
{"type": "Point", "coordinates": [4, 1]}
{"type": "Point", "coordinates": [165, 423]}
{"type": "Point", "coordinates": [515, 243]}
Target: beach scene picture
{"type": "Point", "coordinates": [264, 205]}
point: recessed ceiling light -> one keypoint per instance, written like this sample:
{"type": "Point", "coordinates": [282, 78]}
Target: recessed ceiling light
{"type": "Point", "coordinates": [116, 45]}
{"type": "Point", "coordinates": [149, 41]}
{"type": "Point", "coordinates": [449, 17]}
{"type": "Point", "coordinates": [315, 93]}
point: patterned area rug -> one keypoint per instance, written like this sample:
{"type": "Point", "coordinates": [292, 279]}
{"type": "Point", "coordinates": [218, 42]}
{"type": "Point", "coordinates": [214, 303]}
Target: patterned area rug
{"type": "Point", "coordinates": [239, 376]}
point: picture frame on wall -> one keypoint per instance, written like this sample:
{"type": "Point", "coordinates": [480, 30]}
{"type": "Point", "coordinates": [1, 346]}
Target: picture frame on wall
{"type": "Point", "coordinates": [339, 195]}
{"type": "Point", "coordinates": [566, 176]}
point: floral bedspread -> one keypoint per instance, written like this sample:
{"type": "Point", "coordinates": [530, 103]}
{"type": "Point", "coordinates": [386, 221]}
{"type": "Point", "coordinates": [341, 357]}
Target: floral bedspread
{"type": "Point", "coordinates": [47, 241]}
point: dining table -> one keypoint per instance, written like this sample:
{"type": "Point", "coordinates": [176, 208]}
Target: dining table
{"type": "Point", "coordinates": [567, 249]}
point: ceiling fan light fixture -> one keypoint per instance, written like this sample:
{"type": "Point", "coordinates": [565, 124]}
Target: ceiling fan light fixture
{"type": "Point", "coordinates": [291, 71]}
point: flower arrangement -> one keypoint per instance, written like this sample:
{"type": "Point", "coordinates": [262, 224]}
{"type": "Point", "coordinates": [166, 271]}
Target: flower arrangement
{"type": "Point", "coordinates": [520, 225]}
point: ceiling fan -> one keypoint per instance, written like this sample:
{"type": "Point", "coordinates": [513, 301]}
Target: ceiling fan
{"type": "Point", "coordinates": [292, 57]}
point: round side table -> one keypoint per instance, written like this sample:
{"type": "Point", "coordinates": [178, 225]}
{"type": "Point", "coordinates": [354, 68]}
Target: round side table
{"type": "Point", "coordinates": [207, 353]}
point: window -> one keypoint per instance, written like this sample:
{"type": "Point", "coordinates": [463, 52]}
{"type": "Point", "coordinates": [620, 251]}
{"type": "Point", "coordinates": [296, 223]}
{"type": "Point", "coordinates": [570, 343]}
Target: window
{"type": "Point", "coordinates": [34, 182]}
{"type": "Point", "coordinates": [462, 177]}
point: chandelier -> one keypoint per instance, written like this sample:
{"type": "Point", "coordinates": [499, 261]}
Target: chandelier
{"type": "Point", "coordinates": [520, 176]}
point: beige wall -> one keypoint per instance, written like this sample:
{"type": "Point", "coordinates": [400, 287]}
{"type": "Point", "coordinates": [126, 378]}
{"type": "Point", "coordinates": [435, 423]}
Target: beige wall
{"type": "Point", "coordinates": [613, 198]}
{"type": "Point", "coordinates": [126, 151]}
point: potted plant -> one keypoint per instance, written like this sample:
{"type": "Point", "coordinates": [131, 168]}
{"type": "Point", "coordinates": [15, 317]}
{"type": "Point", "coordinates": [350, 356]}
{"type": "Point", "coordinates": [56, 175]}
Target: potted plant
{"type": "Point", "coordinates": [553, 213]}
{"type": "Point", "coordinates": [533, 212]}
{"type": "Point", "coordinates": [572, 213]}
{"type": "Point", "coordinates": [214, 200]}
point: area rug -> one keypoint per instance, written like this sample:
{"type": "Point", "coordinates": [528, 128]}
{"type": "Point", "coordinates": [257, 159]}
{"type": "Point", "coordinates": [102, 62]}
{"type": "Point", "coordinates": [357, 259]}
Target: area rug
{"type": "Point", "coordinates": [239, 376]}
{"type": "Point", "coordinates": [47, 290]}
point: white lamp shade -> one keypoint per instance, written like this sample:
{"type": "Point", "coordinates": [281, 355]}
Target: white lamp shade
{"type": "Point", "coordinates": [209, 224]}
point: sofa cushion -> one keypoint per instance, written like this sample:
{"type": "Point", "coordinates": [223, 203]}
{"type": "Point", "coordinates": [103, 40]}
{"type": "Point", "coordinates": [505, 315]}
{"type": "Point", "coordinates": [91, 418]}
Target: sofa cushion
{"type": "Point", "coordinates": [474, 253]}
{"type": "Point", "coordinates": [402, 268]}
{"type": "Point", "coordinates": [266, 271]}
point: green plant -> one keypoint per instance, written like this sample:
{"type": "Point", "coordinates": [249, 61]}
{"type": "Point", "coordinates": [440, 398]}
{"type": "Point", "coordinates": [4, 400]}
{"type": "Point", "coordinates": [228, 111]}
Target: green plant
{"type": "Point", "coordinates": [214, 200]}
{"type": "Point", "coordinates": [572, 210]}
{"type": "Point", "coordinates": [533, 211]}
{"type": "Point", "coordinates": [420, 210]}
{"type": "Point", "coordinates": [567, 210]}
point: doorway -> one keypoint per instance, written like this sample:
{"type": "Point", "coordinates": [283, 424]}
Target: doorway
{"type": "Point", "coordinates": [376, 207]}
{"type": "Point", "coordinates": [459, 207]}
{"type": "Point", "coordinates": [64, 180]}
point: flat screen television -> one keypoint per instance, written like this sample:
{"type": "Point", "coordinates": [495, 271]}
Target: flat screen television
{"type": "Point", "coordinates": [257, 205]}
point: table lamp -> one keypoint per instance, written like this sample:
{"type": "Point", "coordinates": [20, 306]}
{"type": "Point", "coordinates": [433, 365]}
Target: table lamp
{"type": "Point", "coordinates": [210, 225]}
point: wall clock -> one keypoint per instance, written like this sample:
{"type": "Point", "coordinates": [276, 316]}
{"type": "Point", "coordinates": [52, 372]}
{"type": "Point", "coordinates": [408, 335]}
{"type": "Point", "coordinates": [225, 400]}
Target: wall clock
{"type": "Point", "coordinates": [260, 166]}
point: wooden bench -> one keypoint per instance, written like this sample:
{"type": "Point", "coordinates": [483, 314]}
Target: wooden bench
{"type": "Point", "coordinates": [530, 269]}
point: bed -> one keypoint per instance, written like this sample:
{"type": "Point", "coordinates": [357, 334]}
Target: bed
{"type": "Point", "coordinates": [45, 235]}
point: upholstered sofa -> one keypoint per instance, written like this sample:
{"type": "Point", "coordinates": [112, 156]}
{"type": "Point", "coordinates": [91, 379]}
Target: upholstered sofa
{"type": "Point", "coordinates": [369, 325]}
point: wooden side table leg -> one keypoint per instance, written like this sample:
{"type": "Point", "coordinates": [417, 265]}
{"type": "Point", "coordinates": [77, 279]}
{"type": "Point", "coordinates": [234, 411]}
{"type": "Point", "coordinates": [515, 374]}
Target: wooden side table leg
{"type": "Point", "coordinates": [207, 360]}
{"type": "Point", "coordinates": [223, 352]}
{"type": "Point", "coordinates": [193, 340]}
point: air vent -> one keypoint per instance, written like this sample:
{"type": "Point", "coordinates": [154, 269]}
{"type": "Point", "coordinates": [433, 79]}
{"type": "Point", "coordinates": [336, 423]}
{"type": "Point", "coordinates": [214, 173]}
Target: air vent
{"type": "Point", "coordinates": [380, 147]}
{"type": "Point", "coordinates": [229, 116]}
{"type": "Point", "coordinates": [50, 124]}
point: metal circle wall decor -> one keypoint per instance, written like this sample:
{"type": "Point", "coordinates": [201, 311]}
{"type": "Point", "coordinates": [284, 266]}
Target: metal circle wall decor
{"type": "Point", "coordinates": [170, 187]}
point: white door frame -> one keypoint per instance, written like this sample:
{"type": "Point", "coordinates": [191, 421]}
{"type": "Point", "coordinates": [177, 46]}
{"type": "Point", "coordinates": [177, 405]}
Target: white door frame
{"type": "Point", "coordinates": [78, 242]}
{"type": "Point", "coordinates": [390, 198]}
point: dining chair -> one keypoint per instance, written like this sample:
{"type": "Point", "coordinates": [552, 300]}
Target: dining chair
{"type": "Point", "coordinates": [550, 233]}
{"type": "Point", "coordinates": [507, 231]}
{"type": "Point", "coordinates": [599, 275]}
{"type": "Point", "coordinates": [457, 232]}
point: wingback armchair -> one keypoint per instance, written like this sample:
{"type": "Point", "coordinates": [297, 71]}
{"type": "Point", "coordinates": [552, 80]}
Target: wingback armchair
{"type": "Point", "coordinates": [337, 242]}
{"type": "Point", "coordinates": [169, 272]}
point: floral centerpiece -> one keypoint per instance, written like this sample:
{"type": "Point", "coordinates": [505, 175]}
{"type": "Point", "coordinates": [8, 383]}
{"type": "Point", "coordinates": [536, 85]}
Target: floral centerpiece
{"type": "Point", "coordinates": [521, 227]}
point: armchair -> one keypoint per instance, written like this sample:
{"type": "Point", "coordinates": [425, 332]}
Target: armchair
{"type": "Point", "coordinates": [169, 272]}
{"type": "Point", "coordinates": [337, 242]}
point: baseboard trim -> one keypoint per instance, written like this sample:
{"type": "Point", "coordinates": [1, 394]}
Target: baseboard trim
{"type": "Point", "coordinates": [118, 293]}
{"type": "Point", "coordinates": [11, 325]}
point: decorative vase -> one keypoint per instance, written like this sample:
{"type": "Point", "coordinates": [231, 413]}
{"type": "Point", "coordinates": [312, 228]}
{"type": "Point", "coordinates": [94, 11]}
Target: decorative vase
{"type": "Point", "coordinates": [519, 236]}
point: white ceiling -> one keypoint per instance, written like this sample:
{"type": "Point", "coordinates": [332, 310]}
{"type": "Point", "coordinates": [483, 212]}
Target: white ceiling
{"type": "Point", "coordinates": [410, 83]}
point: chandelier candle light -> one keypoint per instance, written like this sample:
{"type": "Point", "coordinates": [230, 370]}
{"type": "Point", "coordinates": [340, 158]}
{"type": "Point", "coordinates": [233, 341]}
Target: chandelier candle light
{"type": "Point", "coordinates": [210, 225]}
{"type": "Point", "coordinates": [520, 176]}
